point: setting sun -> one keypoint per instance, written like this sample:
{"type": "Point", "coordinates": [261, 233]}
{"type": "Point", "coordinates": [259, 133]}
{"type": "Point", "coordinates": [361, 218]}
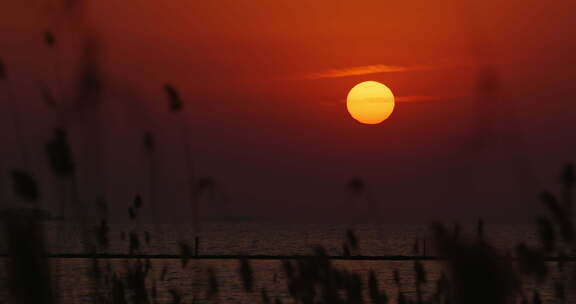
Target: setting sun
{"type": "Point", "coordinates": [370, 102]}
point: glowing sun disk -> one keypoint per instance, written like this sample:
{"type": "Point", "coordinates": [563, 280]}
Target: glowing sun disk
{"type": "Point", "coordinates": [370, 102]}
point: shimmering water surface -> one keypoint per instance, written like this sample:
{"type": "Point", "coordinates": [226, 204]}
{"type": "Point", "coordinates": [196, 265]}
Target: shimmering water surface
{"type": "Point", "coordinates": [264, 238]}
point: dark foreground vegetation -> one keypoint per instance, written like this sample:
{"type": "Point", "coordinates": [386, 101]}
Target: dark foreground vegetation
{"type": "Point", "coordinates": [473, 271]}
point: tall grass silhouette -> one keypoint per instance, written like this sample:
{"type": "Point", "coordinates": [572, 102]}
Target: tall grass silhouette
{"type": "Point", "coordinates": [176, 106]}
{"type": "Point", "coordinates": [29, 279]}
{"type": "Point", "coordinates": [475, 272]}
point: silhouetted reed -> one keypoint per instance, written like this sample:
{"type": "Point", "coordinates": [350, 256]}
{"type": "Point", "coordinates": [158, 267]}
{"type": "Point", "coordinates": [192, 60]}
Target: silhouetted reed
{"type": "Point", "coordinates": [61, 163]}
{"type": "Point", "coordinates": [213, 288]}
{"type": "Point", "coordinates": [264, 296]}
{"type": "Point", "coordinates": [176, 297]}
{"type": "Point", "coordinates": [416, 247]}
{"type": "Point", "coordinates": [487, 91]}
{"type": "Point", "coordinates": [164, 272]}
{"type": "Point", "coordinates": [89, 86]}
{"type": "Point", "coordinates": [175, 106]}
{"type": "Point", "coordinates": [134, 209]}
{"type": "Point", "coordinates": [118, 291]}
{"type": "Point", "coordinates": [185, 252]}
{"type": "Point", "coordinates": [49, 39]}
{"type": "Point", "coordinates": [350, 245]}
{"type": "Point", "coordinates": [420, 278]}
{"type": "Point", "coordinates": [25, 186]}
{"type": "Point", "coordinates": [15, 115]}
{"type": "Point", "coordinates": [3, 73]}
{"type": "Point", "coordinates": [376, 296]}
{"type": "Point", "coordinates": [173, 98]}
{"type": "Point", "coordinates": [351, 239]}
{"type": "Point", "coordinates": [557, 236]}
{"type": "Point", "coordinates": [356, 186]}
{"type": "Point", "coordinates": [137, 202]}
{"type": "Point", "coordinates": [401, 298]}
{"type": "Point", "coordinates": [478, 273]}
{"type": "Point", "coordinates": [559, 291]}
{"type": "Point", "coordinates": [149, 145]}
{"type": "Point", "coordinates": [316, 280]}
{"type": "Point", "coordinates": [134, 243]}
{"type": "Point", "coordinates": [480, 230]}
{"type": "Point", "coordinates": [246, 275]}
{"type": "Point", "coordinates": [47, 97]}
{"type": "Point", "coordinates": [136, 274]}
{"type": "Point", "coordinates": [397, 278]}
{"type": "Point", "coordinates": [102, 232]}
{"type": "Point", "coordinates": [50, 97]}
{"type": "Point", "coordinates": [29, 278]}
{"type": "Point", "coordinates": [536, 299]}
{"type": "Point", "coordinates": [60, 155]}
{"type": "Point", "coordinates": [546, 233]}
{"type": "Point", "coordinates": [131, 213]}
{"type": "Point", "coordinates": [134, 212]}
{"type": "Point", "coordinates": [442, 292]}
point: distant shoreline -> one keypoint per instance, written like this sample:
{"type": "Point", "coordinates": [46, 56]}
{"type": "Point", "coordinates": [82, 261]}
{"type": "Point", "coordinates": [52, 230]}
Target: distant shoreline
{"type": "Point", "coordinates": [274, 257]}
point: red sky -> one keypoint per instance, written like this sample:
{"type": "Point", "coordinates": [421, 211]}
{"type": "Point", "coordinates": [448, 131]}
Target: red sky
{"type": "Point", "coordinates": [267, 119]}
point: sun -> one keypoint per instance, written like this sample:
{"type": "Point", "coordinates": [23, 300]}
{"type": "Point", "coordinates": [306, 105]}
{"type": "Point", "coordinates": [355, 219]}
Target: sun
{"type": "Point", "coordinates": [370, 102]}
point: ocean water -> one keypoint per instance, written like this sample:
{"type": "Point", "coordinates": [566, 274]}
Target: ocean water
{"type": "Point", "coordinates": [268, 238]}
{"type": "Point", "coordinates": [192, 281]}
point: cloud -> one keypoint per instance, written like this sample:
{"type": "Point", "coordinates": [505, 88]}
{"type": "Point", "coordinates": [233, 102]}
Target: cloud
{"type": "Point", "coordinates": [366, 69]}
{"type": "Point", "coordinates": [402, 99]}
{"type": "Point", "coordinates": [417, 98]}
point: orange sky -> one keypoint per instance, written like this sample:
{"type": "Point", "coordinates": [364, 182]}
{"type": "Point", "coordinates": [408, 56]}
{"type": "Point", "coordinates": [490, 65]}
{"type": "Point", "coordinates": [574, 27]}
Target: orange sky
{"type": "Point", "coordinates": [265, 82]}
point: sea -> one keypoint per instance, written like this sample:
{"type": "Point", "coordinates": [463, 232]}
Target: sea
{"type": "Point", "coordinates": [191, 279]}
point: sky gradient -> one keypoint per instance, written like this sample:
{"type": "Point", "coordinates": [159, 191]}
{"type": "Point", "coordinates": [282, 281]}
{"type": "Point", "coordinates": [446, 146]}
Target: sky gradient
{"type": "Point", "coordinates": [264, 85]}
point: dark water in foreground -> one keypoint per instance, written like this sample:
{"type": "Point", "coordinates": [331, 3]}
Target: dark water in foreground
{"type": "Point", "coordinates": [269, 239]}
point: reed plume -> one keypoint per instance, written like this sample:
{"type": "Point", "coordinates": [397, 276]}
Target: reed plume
{"type": "Point", "coordinates": [173, 98]}
{"type": "Point", "coordinates": [89, 85]}
{"type": "Point", "coordinates": [49, 39]}
{"type": "Point", "coordinates": [3, 73]}
{"type": "Point", "coordinates": [25, 186]}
